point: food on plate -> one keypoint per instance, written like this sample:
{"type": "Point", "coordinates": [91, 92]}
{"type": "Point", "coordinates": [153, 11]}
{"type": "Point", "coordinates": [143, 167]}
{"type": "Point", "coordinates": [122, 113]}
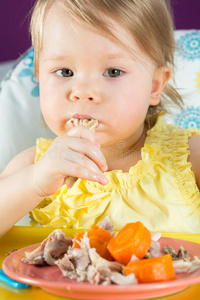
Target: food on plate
{"type": "Point", "coordinates": [181, 260]}
{"type": "Point", "coordinates": [132, 239]}
{"type": "Point", "coordinates": [99, 256]}
{"type": "Point", "coordinates": [50, 250]}
{"type": "Point", "coordinates": [11, 251]}
{"type": "Point", "coordinates": [182, 253]}
{"type": "Point", "coordinates": [154, 269]}
{"type": "Point", "coordinates": [182, 266]}
{"type": "Point", "coordinates": [98, 239]}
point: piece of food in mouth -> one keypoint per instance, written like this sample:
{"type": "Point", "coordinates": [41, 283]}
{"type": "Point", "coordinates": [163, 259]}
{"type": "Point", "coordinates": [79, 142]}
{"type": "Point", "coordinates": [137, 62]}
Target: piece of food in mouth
{"type": "Point", "coordinates": [89, 123]}
{"type": "Point", "coordinates": [132, 239]}
{"type": "Point", "coordinates": [154, 269]}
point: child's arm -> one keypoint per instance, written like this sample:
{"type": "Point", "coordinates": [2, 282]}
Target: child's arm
{"type": "Point", "coordinates": [24, 184]}
{"type": "Point", "coordinates": [17, 190]}
{"type": "Point", "coordinates": [194, 157]}
{"type": "Point", "coordinates": [19, 162]}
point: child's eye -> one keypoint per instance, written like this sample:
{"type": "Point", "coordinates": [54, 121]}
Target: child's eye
{"type": "Point", "coordinates": [64, 73]}
{"type": "Point", "coordinates": [112, 73]}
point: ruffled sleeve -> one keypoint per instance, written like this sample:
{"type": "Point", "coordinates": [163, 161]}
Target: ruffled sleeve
{"type": "Point", "coordinates": [42, 145]}
{"type": "Point", "coordinates": [169, 145]}
{"type": "Point", "coordinates": [78, 207]}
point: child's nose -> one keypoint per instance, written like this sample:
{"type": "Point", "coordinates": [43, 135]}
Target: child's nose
{"type": "Point", "coordinates": [77, 95]}
{"type": "Point", "coordinates": [85, 93]}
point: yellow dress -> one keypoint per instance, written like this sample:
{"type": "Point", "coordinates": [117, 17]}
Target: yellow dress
{"type": "Point", "coordinates": [160, 190]}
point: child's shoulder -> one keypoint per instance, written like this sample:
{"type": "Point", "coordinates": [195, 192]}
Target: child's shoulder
{"type": "Point", "coordinates": [194, 156]}
{"type": "Point", "coordinates": [20, 161]}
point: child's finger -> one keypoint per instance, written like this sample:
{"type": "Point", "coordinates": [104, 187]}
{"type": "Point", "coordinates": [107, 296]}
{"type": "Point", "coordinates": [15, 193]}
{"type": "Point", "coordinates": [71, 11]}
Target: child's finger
{"type": "Point", "coordinates": [81, 159]}
{"type": "Point", "coordinates": [76, 170]}
{"type": "Point", "coordinates": [88, 149]}
{"type": "Point", "coordinates": [83, 133]}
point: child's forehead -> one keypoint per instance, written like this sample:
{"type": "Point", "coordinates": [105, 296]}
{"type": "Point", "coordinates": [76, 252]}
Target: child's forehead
{"type": "Point", "coordinates": [105, 21]}
{"type": "Point", "coordinates": [68, 24]}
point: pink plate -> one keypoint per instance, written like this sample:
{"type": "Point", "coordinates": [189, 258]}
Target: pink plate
{"type": "Point", "coordinates": [50, 279]}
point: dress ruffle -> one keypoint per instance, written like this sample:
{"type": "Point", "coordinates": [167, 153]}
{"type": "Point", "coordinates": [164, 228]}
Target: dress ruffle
{"type": "Point", "coordinates": [176, 156]}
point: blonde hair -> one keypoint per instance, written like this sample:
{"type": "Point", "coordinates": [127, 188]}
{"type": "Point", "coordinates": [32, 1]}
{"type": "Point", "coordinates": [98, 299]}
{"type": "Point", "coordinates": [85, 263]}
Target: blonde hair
{"type": "Point", "coordinates": [149, 22]}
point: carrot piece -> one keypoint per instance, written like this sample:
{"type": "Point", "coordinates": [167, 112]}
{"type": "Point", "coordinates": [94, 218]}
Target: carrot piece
{"type": "Point", "coordinates": [133, 238]}
{"type": "Point", "coordinates": [154, 269]}
{"type": "Point", "coordinates": [98, 238]}
{"type": "Point", "coordinates": [77, 238]}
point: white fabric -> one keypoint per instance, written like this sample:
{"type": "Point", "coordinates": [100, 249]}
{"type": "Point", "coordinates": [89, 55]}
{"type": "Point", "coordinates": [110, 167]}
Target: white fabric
{"type": "Point", "coordinates": [5, 67]}
{"type": "Point", "coordinates": [20, 116]}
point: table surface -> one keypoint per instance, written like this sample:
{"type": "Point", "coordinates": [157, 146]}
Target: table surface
{"type": "Point", "coordinates": [21, 236]}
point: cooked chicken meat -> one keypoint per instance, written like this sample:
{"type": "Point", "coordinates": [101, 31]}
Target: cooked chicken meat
{"type": "Point", "coordinates": [51, 249]}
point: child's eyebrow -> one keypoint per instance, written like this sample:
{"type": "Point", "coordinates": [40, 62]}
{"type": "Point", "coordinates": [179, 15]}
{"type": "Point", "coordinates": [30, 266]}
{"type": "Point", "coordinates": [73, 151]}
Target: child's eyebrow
{"type": "Point", "coordinates": [59, 57]}
{"type": "Point", "coordinates": [122, 55]}
{"type": "Point", "coordinates": [62, 57]}
{"type": "Point", "coordinates": [115, 55]}
{"type": "Point", "coordinates": [108, 56]}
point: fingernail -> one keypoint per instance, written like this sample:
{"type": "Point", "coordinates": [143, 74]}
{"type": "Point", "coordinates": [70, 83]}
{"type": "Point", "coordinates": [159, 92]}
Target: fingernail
{"type": "Point", "coordinates": [98, 144]}
{"type": "Point", "coordinates": [100, 179]}
{"type": "Point", "coordinates": [104, 180]}
{"type": "Point", "coordinates": [104, 168]}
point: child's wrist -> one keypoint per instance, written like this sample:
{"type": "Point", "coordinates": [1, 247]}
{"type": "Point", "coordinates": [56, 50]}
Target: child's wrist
{"type": "Point", "coordinates": [36, 189]}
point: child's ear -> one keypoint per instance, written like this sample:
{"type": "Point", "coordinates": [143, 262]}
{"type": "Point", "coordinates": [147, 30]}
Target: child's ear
{"type": "Point", "coordinates": [161, 77]}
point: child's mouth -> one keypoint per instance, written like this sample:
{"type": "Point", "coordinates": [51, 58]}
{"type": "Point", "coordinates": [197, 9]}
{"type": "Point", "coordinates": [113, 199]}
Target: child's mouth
{"type": "Point", "coordinates": [89, 123]}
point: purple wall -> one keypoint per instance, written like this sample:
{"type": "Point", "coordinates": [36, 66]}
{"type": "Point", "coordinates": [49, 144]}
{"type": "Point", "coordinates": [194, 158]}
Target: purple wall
{"type": "Point", "coordinates": [186, 14]}
{"type": "Point", "coordinates": [14, 27]}
{"type": "Point", "coordinates": [15, 17]}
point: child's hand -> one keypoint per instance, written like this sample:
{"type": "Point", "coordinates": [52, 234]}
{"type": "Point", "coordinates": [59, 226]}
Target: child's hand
{"type": "Point", "coordinates": [75, 154]}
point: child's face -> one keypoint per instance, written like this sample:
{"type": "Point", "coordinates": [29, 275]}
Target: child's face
{"type": "Point", "coordinates": [84, 73]}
